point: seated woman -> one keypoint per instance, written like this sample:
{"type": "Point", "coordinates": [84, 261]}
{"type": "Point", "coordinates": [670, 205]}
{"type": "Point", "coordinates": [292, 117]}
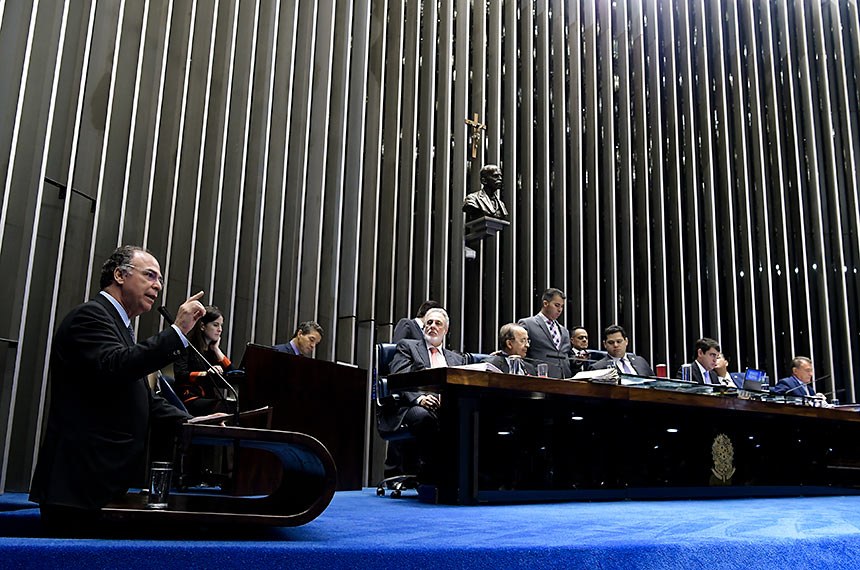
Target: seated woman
{"type": "Point", "coordinates": [196, 383]}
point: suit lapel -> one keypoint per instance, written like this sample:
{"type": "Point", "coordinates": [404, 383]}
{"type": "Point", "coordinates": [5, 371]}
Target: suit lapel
{"type": "Point", "coordinates": [115, 318]}
{"type": "Point", "coordinates": [451, 357]}
{"type": "Point", "coordinates": [423, 353]}
{"type": "Point", "coordinates": [545, 328]}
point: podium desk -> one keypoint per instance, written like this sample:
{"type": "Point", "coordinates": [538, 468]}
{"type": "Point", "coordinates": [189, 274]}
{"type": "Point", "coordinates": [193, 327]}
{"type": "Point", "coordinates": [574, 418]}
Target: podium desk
{"type": "Point", "coordinates": [325, 400]}
{"type": "Point", "coordinates": [301, 484]}
{"type": "Point", "coordinates": [508, 438]}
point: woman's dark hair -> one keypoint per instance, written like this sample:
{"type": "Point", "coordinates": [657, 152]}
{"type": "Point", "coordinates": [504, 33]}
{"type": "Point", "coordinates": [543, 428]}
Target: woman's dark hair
{"type": "Point", "coordinates": [195, 337]}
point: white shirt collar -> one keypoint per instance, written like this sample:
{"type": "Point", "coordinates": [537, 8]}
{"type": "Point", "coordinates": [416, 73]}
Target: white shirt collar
{"type": "Point", "coordinates": [126, 320]}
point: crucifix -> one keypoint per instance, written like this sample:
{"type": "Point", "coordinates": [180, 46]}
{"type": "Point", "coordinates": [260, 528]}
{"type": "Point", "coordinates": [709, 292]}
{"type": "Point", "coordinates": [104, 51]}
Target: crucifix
{"type": "Point", "coordinates": [477, 127]}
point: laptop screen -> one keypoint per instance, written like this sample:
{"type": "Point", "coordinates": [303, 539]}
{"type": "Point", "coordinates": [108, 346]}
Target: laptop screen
{"type": "Point", "coordinates": [752, 379]}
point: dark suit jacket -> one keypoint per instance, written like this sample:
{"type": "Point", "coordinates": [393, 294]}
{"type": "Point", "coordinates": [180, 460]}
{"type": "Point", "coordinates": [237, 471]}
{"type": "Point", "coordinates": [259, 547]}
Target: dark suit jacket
{"type": "Point", "coordinates": [500, 362]}
{"type": "Point", "coordinates": [792, 387]}
{"type": "Point", "coordinates": [639, 364]}
{"type": "Point", "coordinates": [542, 348]}
{"type": "Point", "coordinates": [286, 347]}
{"type": "Point", "coordinates": [100, 409]}
{"type": "Point", "coordinates": [697, 375]}
{"type": "Point", "coordinates": [582, 365]}
{"type": "Point", "coordinates": [407, 328]}
{"type": "Point", "coordinates": [411, 356]}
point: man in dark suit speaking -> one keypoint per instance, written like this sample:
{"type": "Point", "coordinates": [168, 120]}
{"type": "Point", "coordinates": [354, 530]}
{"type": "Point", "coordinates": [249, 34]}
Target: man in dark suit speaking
{"type": "Point", "coordinates": [101, 404]}
{"type": "Point", "coordinates": [419, 409]}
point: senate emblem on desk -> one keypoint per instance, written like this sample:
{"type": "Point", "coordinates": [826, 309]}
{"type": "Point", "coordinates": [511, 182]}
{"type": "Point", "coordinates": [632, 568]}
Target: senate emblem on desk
{"type": "Point", "coordinates": [723, 453]}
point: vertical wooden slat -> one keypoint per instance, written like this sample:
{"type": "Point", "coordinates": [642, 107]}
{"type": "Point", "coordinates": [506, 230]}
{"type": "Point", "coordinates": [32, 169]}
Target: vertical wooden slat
{"type": "Point", "coordinates": [723, 207]}
{"type": "Point", "coordinates": [16, 130]}
{"type": "Point", "coordinates": [69, 178]}
{"type": "Point", "coordinates": [841, 337]}
{"type": "Point", "coordinates": [31, 251]}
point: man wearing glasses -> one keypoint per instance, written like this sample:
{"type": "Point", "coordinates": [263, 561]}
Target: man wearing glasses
{"type": "Point", "coordinates": [101, 404]}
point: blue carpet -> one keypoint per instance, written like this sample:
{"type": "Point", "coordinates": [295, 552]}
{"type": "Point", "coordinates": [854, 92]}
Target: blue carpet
{"type": "Point", "coordinates": [360, 530]}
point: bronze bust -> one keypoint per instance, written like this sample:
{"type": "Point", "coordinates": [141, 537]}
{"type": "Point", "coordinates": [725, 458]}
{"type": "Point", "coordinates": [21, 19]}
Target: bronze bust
{"type": "Point", "coordinates": [486, 201]}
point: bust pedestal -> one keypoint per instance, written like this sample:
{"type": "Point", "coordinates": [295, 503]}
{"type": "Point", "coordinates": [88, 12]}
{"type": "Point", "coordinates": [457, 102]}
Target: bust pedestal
{"type": "Point", "coordinates": [484, 227]}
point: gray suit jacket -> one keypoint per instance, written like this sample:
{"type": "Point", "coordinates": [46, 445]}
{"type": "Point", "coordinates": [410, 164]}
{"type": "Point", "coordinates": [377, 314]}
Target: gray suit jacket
{"type": "Point", "coordinates": [542, 348]}
{"type": "Point", "coordinates": [411, 356]}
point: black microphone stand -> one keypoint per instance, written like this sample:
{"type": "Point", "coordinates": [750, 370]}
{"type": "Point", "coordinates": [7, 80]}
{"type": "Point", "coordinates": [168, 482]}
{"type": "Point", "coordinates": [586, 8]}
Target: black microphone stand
{"type": "Point", "coordinates": [167, 317]}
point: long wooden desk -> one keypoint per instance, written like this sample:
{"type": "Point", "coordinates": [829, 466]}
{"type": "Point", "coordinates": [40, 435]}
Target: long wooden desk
{"type": "Point", "coordinates": [512, 438]}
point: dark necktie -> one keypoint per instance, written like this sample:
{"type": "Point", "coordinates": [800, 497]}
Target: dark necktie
{"type": "Point", "coordinates": [553, 331]}
{"type": "Point", "coordinates": [131, 333]}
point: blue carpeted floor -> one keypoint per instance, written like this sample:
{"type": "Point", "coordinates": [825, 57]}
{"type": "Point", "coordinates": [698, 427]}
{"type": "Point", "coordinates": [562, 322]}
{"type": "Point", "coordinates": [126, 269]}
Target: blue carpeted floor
{"type": "Point", "coordinates": [361, 530]}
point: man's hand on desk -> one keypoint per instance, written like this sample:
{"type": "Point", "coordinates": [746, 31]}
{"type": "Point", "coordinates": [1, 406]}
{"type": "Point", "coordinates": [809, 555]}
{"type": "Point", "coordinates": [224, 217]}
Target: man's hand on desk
{"type": "Point", "coordinates": [210, 419]}
{"type": "Point", "coordinates": [429, 401]}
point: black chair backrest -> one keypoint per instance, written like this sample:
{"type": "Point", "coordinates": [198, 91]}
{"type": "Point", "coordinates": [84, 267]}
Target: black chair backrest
{"type": "Point", "coordinates": [385, 352]}
{"type": "Point", "coordinates": [738, 379]}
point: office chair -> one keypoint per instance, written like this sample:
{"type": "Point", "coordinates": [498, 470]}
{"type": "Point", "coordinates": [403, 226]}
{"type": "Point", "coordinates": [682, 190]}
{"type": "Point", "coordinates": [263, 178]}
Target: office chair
{"type": "Point", "coordinates": [475, 357]}
{"type": "Point", "coordinates": [386, 403]}
{"type": "Point", "coordinates": [738, 379]}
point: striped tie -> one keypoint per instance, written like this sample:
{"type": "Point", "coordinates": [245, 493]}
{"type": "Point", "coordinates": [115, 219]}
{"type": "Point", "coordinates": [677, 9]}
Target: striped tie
{"type": "Point", "coordinates": [131, 333]}
{"type": "Point", "coordinates": [553, 331]}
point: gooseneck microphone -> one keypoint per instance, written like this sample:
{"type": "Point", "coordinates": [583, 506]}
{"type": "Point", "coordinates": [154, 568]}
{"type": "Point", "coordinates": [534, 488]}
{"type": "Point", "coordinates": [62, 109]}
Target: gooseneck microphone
{"type": "Point", "coordinates": [169, 318]}
{"type": "Point", "coordinates": [795, 388]}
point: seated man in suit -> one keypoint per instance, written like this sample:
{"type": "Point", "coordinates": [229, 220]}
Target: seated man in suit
{"type": "Point", "coordinates": [549, 341]}
{"type": "Point", "coordinates": [702, 369]}
{"type": "Point", "coordinates": [800, 381]}
{"type": "Point", "coordinates": [513, 346]}
{"type": "Point", "coordinates": [418, 409]}
{"type": "Point", "coordinates": [722, 371]}
{"type": "Point", "coordinates": [615, 342]}
{"type": "Point", "coordinates": [414, 328]}
{"type": "Point", "coordinates": [579, 350]}
{"type": "Point", "coordinates": [306, 338]}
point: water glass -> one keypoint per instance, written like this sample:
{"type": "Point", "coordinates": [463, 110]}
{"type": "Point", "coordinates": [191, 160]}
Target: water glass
{"type": "Point", "coordinates": [159, 484]}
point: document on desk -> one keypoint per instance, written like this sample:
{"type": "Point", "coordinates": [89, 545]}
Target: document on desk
{"type": "Point", "coordinates": [479, 366]}
{"type": "Point", "coordinates": [602, 376]}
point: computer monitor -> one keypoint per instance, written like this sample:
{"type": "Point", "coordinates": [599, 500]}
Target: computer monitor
{"type": "Point", "coordinates": [752, 379]}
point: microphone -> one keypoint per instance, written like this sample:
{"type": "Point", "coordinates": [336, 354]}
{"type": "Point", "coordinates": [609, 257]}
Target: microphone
{"type": "Point", "coordinates": [169, 318]}
{"type": "Point", "coordinates": [795, 388]}
{"type": "Point", "coordinates": [825, 377]}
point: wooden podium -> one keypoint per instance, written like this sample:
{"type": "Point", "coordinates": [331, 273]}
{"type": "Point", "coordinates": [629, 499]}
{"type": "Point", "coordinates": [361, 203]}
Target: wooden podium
{"type": "Point", "coordinates": [322, 399]}
{"type": "Point", "coordinates": [298, 487]}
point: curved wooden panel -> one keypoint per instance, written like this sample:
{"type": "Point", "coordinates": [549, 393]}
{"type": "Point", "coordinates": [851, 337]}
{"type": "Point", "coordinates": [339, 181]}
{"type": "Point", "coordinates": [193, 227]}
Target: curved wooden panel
{"type": "Point", "coordinates": [305, 488]}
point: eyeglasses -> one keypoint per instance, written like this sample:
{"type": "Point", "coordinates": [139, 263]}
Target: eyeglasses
{"type": "Point", "coordinates": [151, 275]}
